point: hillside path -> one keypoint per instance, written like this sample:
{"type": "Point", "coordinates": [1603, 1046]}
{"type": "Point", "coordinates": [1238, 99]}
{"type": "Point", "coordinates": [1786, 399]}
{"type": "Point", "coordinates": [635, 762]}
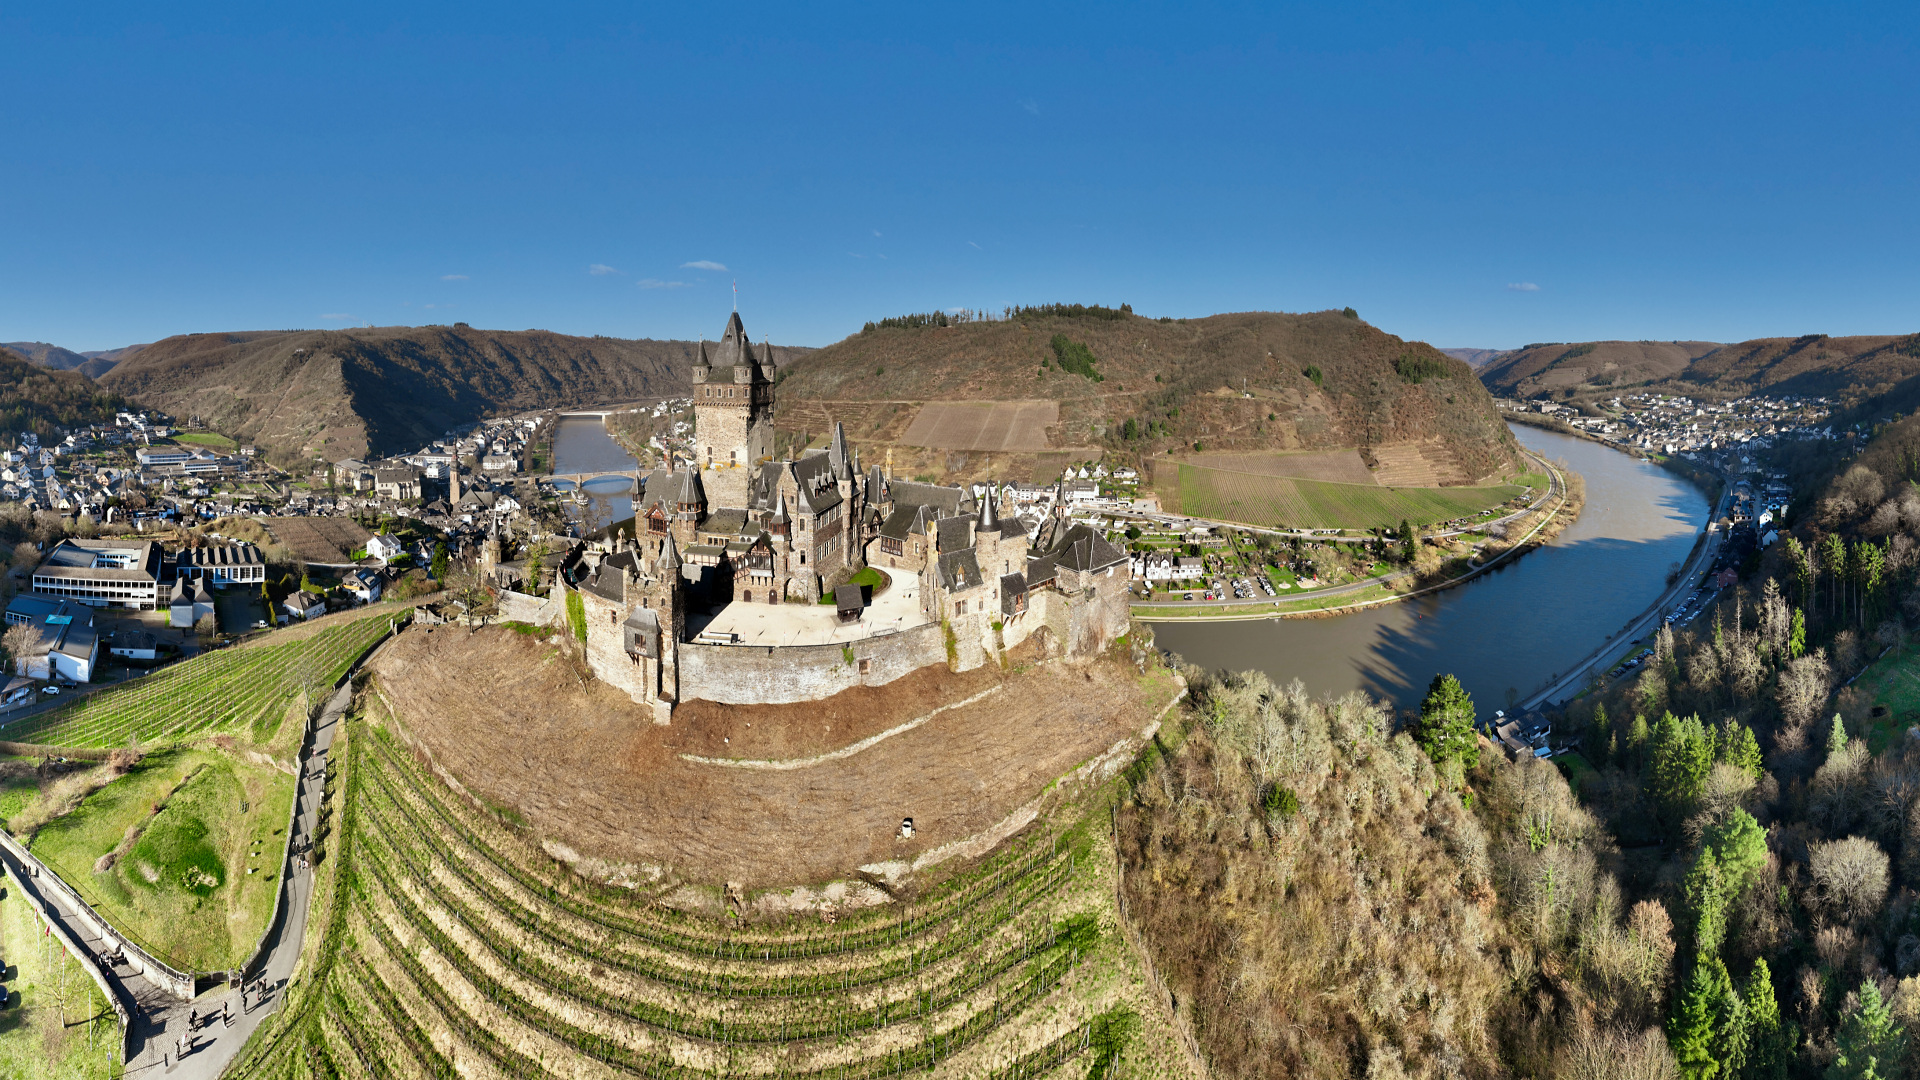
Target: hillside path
{"type": "Point", "coordinates": [159, 1025]}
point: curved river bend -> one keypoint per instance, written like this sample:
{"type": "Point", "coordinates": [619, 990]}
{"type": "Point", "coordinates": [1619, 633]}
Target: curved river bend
{"type": "Point", "coordinates": [1510, 628]}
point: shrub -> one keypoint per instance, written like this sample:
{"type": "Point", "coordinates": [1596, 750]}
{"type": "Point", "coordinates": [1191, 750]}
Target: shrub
{"type": "Point", "coordinates": [1075, 357]}
{"type": "Point", "coordinates": [1414, 368]}
{"type": "Point", "coordinates": [1312, 371]}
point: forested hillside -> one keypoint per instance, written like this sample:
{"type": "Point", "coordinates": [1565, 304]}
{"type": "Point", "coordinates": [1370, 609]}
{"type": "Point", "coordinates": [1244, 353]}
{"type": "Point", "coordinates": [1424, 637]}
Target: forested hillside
{"type": "Point", "coordinates": [41, 400]}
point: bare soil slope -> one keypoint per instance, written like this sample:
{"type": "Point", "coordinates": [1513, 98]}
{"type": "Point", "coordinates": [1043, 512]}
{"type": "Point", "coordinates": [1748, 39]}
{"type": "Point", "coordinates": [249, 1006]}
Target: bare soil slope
{"type": "Point", "coordinates": [1246, 382]}
{"type": "Point", "coordinates": [513, 719]}
{"type": "Point", "coordinates": [339, 393]}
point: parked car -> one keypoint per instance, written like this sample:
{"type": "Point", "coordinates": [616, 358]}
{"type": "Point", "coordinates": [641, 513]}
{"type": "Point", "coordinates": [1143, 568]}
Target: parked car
{"type": "Point", "coordinates": [51, 690]}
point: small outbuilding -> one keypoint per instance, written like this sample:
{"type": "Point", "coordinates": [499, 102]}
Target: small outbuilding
{"type": "Point", "coordinates": [848, 602]}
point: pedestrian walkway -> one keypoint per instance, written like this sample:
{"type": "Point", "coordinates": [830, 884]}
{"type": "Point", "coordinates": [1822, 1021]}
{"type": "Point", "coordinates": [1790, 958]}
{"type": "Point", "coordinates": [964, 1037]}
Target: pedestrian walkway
{"type": "Point", "coordinates": [218, 1023]}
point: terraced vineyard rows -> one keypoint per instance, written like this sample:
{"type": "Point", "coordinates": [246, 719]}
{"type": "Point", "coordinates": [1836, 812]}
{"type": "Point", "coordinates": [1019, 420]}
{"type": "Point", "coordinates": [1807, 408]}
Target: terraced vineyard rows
{"type": "Point", "coordinates": [458, 947]}
{"type": "Point", "coordinates": [246, 688]}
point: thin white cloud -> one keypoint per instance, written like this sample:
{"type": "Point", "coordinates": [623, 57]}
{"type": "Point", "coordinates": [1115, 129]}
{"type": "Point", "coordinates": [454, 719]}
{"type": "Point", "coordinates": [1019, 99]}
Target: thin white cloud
{"type": "Point", "coordinates": [975, 246]}
{"type": "Point", "coordinates": [337, 315]}
{"type": "Point", "coordinates": [655, 283]}
{"type": "Point", "coordinates": [453, 277]}
{"type": "Point", "coordinates": [1031, 106]}
{"type": "Point", "coordinates": [601, 270]}
{"type": "Point", "coordinates": [876, 232]}
{"type": "Point", "coordinates": [703, 264]}
{"type": "Point", "coordinates": [1522, 286]}
{"type": "Point", "coordinates": [856, 255]}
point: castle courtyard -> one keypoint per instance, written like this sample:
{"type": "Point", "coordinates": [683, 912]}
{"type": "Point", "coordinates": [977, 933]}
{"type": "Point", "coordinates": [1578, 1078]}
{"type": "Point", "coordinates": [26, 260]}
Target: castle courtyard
{"type": "Point", "coordinates": [896, 608]}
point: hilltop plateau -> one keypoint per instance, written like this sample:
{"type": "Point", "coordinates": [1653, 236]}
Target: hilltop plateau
{"type": "Point", "coordinates": [339, 393]}
{"type": "Point", "coordinates": [1811, 364]}
{"type": "Point", "coordinates": [1052, 384]}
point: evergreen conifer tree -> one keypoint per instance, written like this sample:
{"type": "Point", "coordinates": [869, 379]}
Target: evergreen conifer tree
{"type": "Point", "coordinates": [1769, 1040]}
{"type": "Point", "coordinates": [1870, 1044]}
{"type": "Point", "coordinates": [1446, 724]}
{"type": "Point", "coordinates": [1692, 1031]}
{"type": "Point", "coordinates": [1836, 737]}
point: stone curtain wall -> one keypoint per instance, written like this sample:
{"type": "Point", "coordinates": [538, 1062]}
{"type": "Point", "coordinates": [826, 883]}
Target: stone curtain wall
{"type": "Point", "coordinates": [527, 608]}
{"type": "Point", "coordinates": [761, 675]}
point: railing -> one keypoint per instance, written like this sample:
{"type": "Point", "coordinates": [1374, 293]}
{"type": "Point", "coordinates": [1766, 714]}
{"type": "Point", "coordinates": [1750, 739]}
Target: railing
{"type": "Point", "coordinates": [80, 956]}
{"type": "Point", "coordinates": [165, 976]}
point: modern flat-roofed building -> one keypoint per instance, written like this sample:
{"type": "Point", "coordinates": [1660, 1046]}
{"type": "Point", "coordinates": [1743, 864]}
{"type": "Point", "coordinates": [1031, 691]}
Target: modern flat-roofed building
{"type": "Point", "coordinates": [102, 573]}
{"type": "Point", "coordinates": [222, 564]}
{"type": "Point", "coordinates": [65, 644]}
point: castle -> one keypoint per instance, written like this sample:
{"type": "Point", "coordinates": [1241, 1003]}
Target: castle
{"type": "Point", "coordinates": [738, 527]}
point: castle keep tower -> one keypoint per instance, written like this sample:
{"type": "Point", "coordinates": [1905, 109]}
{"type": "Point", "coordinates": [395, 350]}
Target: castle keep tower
{"type": "Point", "coordinates": [732, 413]}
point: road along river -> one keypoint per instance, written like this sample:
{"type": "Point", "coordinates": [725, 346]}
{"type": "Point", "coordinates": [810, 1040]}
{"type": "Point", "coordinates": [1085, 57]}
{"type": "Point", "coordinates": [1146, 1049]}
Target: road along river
{"type": "Point", "coordinates": [1510, 628]}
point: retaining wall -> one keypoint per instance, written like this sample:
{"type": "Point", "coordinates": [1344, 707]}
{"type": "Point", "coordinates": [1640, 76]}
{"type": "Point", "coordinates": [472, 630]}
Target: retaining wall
{"type": "Point", "coordinates": [767, 675]}
{"type": "Point", "coordinates": [176, 982]}
{"type": "Point", "coordinates": [74, 949]}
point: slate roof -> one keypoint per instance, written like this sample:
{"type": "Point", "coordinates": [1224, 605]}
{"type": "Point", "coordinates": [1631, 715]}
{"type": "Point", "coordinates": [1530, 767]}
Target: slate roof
{"type": "Point", "coordinates": [1012, 588]}
{"type": "Point", "coordinates": [950, 501]}
{"type": "Point", "coordinates": [959, 570]}
{"type": "Point", "coordinates": [953, 534]}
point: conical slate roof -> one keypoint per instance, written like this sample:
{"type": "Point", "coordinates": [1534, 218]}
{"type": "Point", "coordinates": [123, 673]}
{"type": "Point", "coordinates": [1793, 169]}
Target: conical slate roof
{"type": "Point", "coordinates": [669, 555]}
{"type": "Point", "coordinates": [989, 519]}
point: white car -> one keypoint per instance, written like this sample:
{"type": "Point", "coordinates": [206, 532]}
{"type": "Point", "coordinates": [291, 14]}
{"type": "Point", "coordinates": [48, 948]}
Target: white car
{"type": "Point", "coordinates": [51, 690]}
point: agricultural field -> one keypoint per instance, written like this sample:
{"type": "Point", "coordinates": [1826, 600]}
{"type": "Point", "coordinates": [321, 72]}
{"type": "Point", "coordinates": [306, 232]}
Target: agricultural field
{"type": "Point", "coordinates": [1002, 426]}
{"type": "Point", "coordinates": [1313, 504]}
{"type": "Point", "coordinates": [1334, 466]}
{"type": "Point", "coordinates": [57, 1024]}
{"type": "Point", "coordinates": [452, 936]}
{"type": "Point", "coordinates": [182, 853]}
{"type": "Point", "coordinates": [248, 689]}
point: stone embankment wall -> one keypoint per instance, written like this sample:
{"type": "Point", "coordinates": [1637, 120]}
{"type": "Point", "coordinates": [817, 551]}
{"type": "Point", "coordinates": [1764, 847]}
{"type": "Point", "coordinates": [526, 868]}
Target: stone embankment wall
{"type": "Point", "coordinates": [767, 675]}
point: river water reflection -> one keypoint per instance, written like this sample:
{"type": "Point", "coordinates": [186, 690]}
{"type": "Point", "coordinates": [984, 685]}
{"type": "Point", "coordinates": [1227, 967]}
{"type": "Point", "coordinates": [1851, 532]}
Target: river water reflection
{"type": "Point", "coordinates": [581, 445]}
{"type": "Point", "coordinates": [1510, 628]}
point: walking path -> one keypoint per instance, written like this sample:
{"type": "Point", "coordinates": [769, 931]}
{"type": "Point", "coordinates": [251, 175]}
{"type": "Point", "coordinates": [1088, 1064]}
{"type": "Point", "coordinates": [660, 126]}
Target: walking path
{"type": "Point", "coordinates": [159, 1019]}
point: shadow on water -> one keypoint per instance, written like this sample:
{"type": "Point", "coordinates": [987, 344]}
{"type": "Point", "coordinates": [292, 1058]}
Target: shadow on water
{"type": "Point", "coordinates": [1510, 628]}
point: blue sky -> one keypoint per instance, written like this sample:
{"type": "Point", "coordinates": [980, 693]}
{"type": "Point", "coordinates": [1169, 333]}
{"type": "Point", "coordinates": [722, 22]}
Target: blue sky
{"type": "Point", "coordinates": [1465, 174]}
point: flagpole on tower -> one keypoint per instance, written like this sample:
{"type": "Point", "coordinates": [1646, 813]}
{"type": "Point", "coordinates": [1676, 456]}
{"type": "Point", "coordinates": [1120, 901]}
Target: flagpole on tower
{"type": "Point", "coordinates": [736, 296]}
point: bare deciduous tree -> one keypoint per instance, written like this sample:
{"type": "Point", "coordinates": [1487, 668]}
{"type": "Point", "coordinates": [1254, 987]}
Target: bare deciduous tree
{"type": "Point", "coordinates": [1849, 877]}
{"type": "Point", "coordinates": [1803, 688]}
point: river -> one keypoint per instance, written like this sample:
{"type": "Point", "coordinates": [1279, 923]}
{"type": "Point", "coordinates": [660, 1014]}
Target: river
{"type": "Point", "coordinates": [581, 445]}
{"type": "Point", "coordinates": [1509, 628]}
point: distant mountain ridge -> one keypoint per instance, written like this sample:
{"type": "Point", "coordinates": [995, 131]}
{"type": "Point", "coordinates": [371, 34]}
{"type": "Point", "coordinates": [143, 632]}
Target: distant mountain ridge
{"type": "Point", "coordinates": [1814, 364]}
{"type": "Point", "coordinates": [91, 364]}
{"type": "Point", "coordinates": [1476, 358]}
{"type": "Point", "coordinates": [301, 394]}
{"type": "Point", "coordinates": [1551, 366]}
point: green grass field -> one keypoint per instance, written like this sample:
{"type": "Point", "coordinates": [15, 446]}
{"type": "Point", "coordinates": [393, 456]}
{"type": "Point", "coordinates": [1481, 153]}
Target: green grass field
{"type": "Point", "coordinates": [1893, 683]}
{"type": "Point", "coordinates": [240, 689]}
{"type": "Point", "coordinates": [207, 439]}
{"type": "Point", "coordinates": [1318, 504]}
{"type": "Point", "coordinates": [196, 885]}
{"type": "Point", "coordinates": [57, 1024]}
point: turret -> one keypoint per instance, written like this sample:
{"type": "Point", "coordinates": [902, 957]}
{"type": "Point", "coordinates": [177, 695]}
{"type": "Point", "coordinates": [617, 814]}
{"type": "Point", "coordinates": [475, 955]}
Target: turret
{"type": "Point", "coordinates": [702, 367]}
